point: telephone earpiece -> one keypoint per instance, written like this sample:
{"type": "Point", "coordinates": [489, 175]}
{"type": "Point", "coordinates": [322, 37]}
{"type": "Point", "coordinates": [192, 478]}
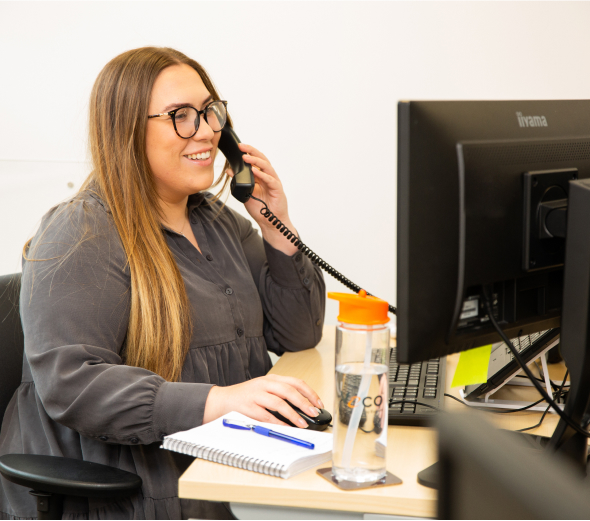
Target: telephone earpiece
{"type": "Point", "coordinates": [242, 184]}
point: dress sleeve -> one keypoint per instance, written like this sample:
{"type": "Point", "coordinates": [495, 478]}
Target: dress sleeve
{"type": "Point", "coordinates": [292, 292]}
{"type": "Point", "coordinates": [75, 301]}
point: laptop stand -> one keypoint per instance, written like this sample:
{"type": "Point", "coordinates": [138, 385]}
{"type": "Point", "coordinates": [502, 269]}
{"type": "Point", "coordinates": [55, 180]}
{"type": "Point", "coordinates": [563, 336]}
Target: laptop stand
{"type": "Point", "coordinates": [487, 401]}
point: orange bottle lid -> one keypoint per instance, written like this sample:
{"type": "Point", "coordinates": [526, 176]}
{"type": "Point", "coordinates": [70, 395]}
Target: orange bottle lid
{"type": "Point", "coordinates": [361, 308]}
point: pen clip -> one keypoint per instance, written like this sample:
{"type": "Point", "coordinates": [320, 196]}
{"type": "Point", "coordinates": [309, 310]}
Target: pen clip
{"type": "Point", "coordinates": [235, 424]}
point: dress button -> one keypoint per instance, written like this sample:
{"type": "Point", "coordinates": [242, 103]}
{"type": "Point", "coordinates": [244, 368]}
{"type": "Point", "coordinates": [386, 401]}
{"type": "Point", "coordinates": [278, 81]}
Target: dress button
{"type": "Point", "coordinates": [318, 322]}
{"type": "Point", "coordinates": [194, 219]}
{"type": "Point", "coordinates": [209, 257]}
{"type": "Point", "coordinates": [306, 281]}
{"type": "Point", "coordinates": [302, 271]}
{"type": "Point", "coordinates": [229, 291]}
{"type": "Point", "coordinates": [298, 257]}
{"type": "Point", "coordinates": [103, 438]}
{"type": "Point", "coordinates": [134, 440]}
{"type": "Point", "coordinates": [239, 332]}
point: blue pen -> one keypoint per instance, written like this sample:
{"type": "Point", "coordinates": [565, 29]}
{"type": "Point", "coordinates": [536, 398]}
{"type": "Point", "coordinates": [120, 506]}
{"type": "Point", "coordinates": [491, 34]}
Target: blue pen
{"type": "Point", "coordinates": [267, 432]}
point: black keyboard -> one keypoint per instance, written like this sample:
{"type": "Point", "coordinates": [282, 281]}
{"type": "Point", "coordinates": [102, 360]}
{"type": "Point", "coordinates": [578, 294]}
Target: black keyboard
{"type": "Point", "coordinates": [422, 382]}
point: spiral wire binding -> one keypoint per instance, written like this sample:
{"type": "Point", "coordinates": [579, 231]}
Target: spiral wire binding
{"type": "Point", "coordinates": [316, 259]}
{"type": "Point", "coordinates": [225, 457]}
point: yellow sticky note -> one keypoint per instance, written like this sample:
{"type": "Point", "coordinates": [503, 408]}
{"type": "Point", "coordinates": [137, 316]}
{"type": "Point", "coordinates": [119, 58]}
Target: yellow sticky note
{"type": "Point", "coordinates": [472, 367]}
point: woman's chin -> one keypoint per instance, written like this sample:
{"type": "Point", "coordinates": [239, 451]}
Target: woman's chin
{"type": "Point", "coordinates": [201, 182]}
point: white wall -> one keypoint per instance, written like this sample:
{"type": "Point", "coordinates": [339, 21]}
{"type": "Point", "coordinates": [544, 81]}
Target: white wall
{"type": "Point", "coordinates": [296, 75]}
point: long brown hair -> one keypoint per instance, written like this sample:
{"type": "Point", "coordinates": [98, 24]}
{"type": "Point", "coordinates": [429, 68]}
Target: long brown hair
{"type": "Point", "coordinates": [160, 329]}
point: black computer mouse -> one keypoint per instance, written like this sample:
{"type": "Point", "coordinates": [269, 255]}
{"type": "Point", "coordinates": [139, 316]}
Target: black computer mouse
{"type": "Point", "coordinates": [314, 423]}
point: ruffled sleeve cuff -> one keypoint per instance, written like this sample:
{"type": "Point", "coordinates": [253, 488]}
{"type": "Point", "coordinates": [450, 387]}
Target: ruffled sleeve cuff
{"type": "Point", "coordinates": [179, 407]}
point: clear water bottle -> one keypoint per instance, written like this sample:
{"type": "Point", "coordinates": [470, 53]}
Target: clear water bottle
{"type": "Point", "coordinates": [360, 411]}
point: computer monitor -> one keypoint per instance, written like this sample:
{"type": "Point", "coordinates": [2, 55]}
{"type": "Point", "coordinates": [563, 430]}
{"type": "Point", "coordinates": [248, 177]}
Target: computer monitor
{"type": "Point", "coordinates": [486, 473]}
{"type": "Point", "coordinates": [485, 191]}
{"type": "Point", "coordinates": [461, 194]}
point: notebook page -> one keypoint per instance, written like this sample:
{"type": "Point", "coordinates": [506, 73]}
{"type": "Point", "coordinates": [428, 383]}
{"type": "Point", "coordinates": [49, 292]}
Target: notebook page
{"type": "Point", "coordinates": [247, 443]}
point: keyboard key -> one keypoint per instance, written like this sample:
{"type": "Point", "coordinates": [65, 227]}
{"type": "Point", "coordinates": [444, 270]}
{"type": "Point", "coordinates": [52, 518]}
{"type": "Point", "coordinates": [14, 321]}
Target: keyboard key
{"type": "Point", "coordinates": [407, 385]}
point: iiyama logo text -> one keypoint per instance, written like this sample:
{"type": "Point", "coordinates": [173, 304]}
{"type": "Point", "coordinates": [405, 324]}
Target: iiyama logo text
{"type": "Point", "coordinates": [531, 121]}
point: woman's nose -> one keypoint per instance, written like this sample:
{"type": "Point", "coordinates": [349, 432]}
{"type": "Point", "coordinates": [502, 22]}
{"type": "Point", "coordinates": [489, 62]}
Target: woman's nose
{"type": "Point", "coordinates": [205, 132]}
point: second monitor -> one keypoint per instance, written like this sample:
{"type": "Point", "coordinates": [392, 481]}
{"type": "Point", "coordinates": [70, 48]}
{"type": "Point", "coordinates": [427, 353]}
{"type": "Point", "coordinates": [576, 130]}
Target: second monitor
{"type": "Point", "coordinates": [493, 202]}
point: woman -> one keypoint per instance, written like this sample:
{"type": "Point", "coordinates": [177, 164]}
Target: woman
{"type": "Point", "coordinates": [148, 306]}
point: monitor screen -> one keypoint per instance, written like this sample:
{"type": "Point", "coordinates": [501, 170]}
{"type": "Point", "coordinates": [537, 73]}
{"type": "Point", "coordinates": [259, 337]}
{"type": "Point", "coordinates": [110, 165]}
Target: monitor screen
{"type": "Point", "coordinates": [477, 181]}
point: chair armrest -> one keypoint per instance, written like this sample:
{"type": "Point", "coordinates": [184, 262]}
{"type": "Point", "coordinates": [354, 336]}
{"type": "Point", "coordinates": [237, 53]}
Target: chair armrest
{"type": "Point", "coordinates": [68, 476]}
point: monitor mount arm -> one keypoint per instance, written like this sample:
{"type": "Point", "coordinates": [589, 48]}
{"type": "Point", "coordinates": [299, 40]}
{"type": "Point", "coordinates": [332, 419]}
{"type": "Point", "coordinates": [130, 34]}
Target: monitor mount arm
{"type": "Point", "coordinates": [545, 217]}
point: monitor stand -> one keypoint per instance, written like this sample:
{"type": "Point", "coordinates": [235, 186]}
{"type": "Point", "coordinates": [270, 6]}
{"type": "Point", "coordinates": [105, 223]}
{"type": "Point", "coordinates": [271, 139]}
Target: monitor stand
{"type": "Point", "coordinates": [429, 476]}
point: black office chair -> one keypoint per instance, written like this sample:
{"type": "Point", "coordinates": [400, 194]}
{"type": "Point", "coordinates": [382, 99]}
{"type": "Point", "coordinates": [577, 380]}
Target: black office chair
{"type": "Point", "coordinates": [50, 478]}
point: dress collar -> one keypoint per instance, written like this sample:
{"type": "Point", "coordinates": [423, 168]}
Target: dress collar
{"type": "Point", "coordinates": [195, 200]}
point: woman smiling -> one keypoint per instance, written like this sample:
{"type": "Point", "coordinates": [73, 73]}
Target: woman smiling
{"type": "Point", "coordinates": [148, 306]}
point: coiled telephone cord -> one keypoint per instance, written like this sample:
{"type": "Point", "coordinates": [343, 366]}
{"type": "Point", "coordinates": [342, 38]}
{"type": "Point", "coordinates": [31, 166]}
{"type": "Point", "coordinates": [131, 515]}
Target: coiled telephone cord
{"type": "Point", "coordinates": [315, 258]}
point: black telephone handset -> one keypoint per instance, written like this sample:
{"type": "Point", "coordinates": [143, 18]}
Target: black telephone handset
{"type": "Point", "coordinates": [242, 186]}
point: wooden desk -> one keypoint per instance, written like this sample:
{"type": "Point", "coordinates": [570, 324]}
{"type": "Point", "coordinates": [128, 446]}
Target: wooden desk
{"type": "Point", "coordinates": [409, 450]}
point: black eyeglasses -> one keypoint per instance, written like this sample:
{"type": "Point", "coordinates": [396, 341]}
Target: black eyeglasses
{"type": "Point", "coordinates": [186, 119]}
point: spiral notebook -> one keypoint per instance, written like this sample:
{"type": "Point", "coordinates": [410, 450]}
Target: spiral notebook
{"type": "Point", "coordinates": [251, 451]}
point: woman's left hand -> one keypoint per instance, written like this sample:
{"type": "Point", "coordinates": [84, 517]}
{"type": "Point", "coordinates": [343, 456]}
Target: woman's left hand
{"type": "Point", "coordinates": [269, 189]}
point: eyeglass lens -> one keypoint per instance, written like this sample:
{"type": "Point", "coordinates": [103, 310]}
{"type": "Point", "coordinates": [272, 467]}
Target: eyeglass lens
{"type": "Point", "coordinates": [187, 122]}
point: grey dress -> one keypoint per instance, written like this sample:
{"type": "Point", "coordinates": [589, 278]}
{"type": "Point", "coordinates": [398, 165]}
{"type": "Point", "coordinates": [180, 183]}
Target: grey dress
{"type": "Point", "coordinates": [77, 398]}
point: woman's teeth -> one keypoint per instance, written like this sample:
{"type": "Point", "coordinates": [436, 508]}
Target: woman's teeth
{"type": "Point", "coordinates": [203, 155]}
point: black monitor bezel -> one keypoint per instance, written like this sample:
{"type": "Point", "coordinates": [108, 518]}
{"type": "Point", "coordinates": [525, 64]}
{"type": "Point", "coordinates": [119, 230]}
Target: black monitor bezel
{"type": "Point", "coordinates": [431, 137]}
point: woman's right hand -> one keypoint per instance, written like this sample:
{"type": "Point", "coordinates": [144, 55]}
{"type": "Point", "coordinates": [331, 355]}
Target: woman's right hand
{"type": "Point", "coordinates": [254, 397]}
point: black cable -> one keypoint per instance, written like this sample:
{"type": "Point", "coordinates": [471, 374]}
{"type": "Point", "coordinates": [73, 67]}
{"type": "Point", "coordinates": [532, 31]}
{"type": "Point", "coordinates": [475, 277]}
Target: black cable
{"type": "Point", "coordinates": [496, 412]}
{"type": "Point", "coordinates": [557, 395]}
{"type": "Point", "coordinates": [538, 380]}
{"type": "Point", "coordinates": [522, 408]}
{"type": "Point", "coordinates": [524, 367]}
{"type": "Point", "coordinates": [455, 398]}
{"type": "Point", "coordinates": [538, 424]}
{"type": "Point", "coordinates": [316, 259]}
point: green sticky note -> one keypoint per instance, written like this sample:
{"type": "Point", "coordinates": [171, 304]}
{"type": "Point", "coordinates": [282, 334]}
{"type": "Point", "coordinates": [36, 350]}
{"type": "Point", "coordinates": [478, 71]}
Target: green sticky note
{"type": "Point", "coordinates": [472, 367]}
